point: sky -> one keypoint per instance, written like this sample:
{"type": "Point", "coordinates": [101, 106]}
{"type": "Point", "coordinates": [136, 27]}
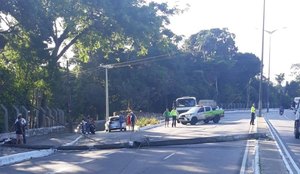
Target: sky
{"type": "Point", "coordinates": [244, 18]}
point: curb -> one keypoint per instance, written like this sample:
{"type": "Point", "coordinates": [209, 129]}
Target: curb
{"type": "Point", "coordinates": [33, 147]}
{"type": "Point", "coordinates": [203, 140]}
{"type": "Point", "coordinates": [40, 151]}
{"type": "Point", "coordinates": [10, 159]}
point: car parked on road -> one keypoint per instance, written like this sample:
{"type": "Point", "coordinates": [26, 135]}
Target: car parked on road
{"type": "Point", "coordinates": [201, 113]}
{"type": "Point", "coordinates": [113, 124]}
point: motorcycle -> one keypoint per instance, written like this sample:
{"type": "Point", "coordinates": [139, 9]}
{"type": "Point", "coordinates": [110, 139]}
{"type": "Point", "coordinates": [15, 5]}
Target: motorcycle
{"type": "Point", "coordinates": [281, 111]}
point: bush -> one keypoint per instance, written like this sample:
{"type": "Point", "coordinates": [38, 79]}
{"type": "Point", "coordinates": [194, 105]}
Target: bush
{"type": "Point", "coordinates": [145, 121]}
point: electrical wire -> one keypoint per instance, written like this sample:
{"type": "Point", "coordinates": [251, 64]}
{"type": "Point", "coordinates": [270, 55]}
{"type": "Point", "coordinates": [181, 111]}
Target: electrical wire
{"type": "Point", "coordinates": [139, 61]}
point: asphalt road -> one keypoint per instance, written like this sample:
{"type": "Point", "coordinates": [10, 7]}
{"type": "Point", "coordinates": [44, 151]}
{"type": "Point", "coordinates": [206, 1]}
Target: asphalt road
{"type": "Point", "coordinates": [200, 158]}
{"type": "Point", "coordinates": [284, 133]}
{"type": "Point", "coordinates": [205, 158]}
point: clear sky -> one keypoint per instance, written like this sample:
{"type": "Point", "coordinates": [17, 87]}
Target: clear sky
{"type": "Point", "coordinates": [244, 18]}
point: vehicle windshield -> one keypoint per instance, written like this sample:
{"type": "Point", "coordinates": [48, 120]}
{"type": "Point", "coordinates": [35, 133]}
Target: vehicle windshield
{"type": "Point", "coordinates": [185, 102]}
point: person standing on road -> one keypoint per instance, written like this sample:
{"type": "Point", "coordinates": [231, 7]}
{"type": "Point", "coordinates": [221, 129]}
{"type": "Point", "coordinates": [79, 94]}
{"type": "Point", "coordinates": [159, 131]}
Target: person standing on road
{"type": "Point", "coordinates": [19, 130]}
{"type": "Point", "coordinates": [121, 121]}
{"type": "Point", "coordinates": [252, 114]}
{"type": "Point", "coordinates": [128, 122]}
{"type": "Point", "coordinates": [133, 120]}
{"type": "Point", "coordinates": [23, 126]}
{"type": "Point", "coordinates": [83, 126]}
{"type": "Point", "coordinates": [166, 114]}
{"type": "Point", "coordinates": [92, 126]}
{"type": "Point", "coordinates": [174, 115]}
{"type": "Point", "coordinates": [87, 125]}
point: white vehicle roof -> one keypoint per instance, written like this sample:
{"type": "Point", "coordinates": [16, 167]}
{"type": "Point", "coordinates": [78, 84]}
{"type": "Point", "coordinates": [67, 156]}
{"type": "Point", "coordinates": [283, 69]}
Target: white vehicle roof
{"type": "Point", "coordinates": [192, 110]}
{"type": "Point", "coordinates": [186, 97]}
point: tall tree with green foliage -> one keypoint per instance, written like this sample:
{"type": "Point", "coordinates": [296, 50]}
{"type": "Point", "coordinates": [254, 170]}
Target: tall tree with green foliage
{"type": "Point", "coordinates": [43, 31]}
{"type": "Point", "coordinates": [213, 51]}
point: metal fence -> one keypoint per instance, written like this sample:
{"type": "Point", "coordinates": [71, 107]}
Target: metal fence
{"type": "Point", "coordinates": [243, 106]}
{"type": "Point", "coordinates": [36, 118]}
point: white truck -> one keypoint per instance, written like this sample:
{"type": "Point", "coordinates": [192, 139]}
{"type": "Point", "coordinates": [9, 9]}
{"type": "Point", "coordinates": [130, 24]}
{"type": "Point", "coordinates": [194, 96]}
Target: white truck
{"type": "Point", "coordinates": [183, 104]}
{"type": "Point", "coordinates": [201, 113]}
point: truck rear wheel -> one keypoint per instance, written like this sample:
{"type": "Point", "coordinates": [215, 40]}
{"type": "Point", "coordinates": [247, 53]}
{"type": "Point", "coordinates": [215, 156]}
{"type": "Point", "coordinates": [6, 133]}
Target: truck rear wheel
{"type": "Point", "coordinates": [216, 119]}
{"type": "Point", "coordinates": [194, 120]}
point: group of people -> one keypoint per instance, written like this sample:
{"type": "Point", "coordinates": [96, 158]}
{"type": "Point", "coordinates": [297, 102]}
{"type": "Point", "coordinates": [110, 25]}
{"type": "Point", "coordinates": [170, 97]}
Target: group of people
{"type": "Point", "coordinates": [130, 119]}
{"type": "Point", "coordinates": [88, 126]}
{"type": "Point", "coordinates": [20, 127]}
{"type": "Point", "coordinates": [173, 114]}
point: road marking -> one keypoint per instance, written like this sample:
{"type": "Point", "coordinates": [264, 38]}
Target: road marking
{"type": "Point", "coordinates": [73, 142]}
{"type": "Point", "coordinates": [288, 156]}
{"type": "Point", "coordinates": [256, 158]}
{"type": "Point", "coordinates": [245, 156]}
{"type": "Point", "coordinates": [246, 153]}
{"type": "Point", "coordinates": [169, 156]}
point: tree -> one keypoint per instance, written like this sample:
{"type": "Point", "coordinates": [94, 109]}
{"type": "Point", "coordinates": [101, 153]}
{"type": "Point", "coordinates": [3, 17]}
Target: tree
{"type": "Point", "coordinates": [39, 33]}
{"type": "Point", "coordinates": [280, 78]}
{"type": "Point", "coordinates": [296, 71]}
{"type": "Point", "coordinates": [213, 44]}
{"type": "Point", "coordinates": [213, 51]}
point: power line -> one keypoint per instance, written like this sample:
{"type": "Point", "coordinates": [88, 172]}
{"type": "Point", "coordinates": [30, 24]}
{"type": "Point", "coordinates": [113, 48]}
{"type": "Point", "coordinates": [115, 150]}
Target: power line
{"type": "Point", "coordinates": [129, 63]}
{"type": "Point", "coordinates": [140, 61]}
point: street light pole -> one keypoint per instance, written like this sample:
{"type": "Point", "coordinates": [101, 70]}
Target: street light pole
{"type": "Point", "coordinates": [106, 95]}
{"type": "Point", "coordinates": [270, 42]}
{"type": "Point", "coordinates": [268, 88]}
{"type": "Point", "coordinates": [261, 64]}
{"type": "Point", "coordinates": [106, 90]}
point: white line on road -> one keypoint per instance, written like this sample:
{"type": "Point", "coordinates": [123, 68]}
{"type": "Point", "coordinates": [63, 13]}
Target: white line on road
{"type": "Point", "coordinates": [256, 159]}
{"type": "Point", "coordinates": [169, 156]}
{"type": "Point", "coordinates": [273, 133]}
{"type": "Point", "coordinates": [245, 156]}
{"type": "Point", "coordinates": [246, 153]}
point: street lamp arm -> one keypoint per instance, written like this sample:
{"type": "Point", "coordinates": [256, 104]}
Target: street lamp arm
{"type": "Point", "coordinates": [273, 31]}
{"type": "Point", "coordinates": [107, 66]}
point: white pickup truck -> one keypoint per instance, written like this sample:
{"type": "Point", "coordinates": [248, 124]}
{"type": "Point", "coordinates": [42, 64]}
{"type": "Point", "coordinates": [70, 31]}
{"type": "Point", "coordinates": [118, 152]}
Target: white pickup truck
{"type": "Point", "coordinates": [201, 113]}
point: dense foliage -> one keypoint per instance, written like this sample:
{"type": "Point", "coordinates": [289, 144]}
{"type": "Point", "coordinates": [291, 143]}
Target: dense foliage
{"type": "Point", "coordinates": [51, 52]}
